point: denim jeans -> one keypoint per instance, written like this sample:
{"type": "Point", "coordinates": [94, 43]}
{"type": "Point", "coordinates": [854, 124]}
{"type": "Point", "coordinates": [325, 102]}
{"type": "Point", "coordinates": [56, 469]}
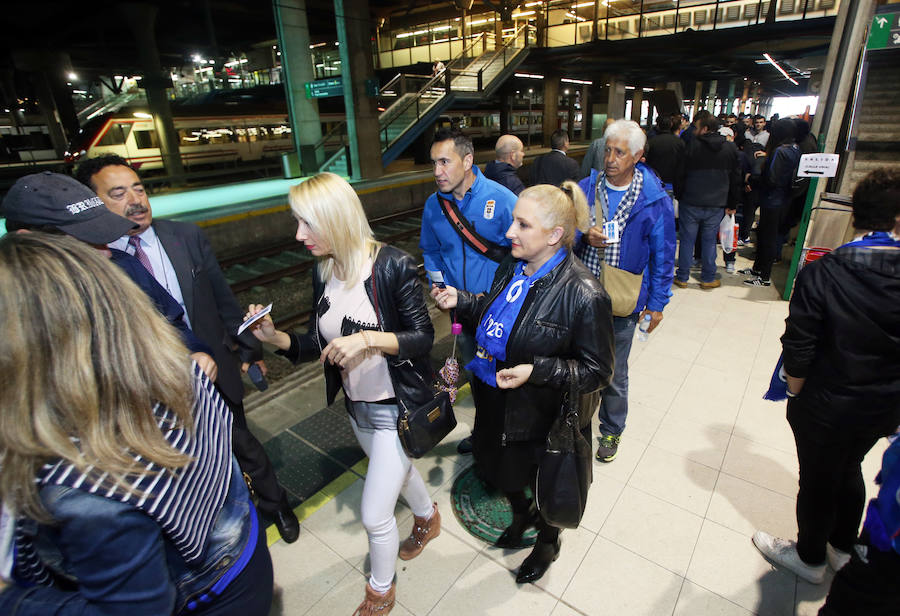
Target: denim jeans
{"type": "Point", "coordinates": [705, 222]}
{"type": "Point", "coordinates": [614, 400]}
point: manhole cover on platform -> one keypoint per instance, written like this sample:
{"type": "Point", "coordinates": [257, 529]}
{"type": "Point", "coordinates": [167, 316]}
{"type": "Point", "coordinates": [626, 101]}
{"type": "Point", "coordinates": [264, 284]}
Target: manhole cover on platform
{"type": "Point", "coordinates": [482, 510]}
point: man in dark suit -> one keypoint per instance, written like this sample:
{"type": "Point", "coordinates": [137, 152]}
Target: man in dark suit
{"type": "Point", "coordinates": [179, 256]}
{"type": "Point", "coordinates": [555, 166]}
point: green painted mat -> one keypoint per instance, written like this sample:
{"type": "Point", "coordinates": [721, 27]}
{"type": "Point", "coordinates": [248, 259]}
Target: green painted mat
{"type": "Point", "coordinates": [483, 511]}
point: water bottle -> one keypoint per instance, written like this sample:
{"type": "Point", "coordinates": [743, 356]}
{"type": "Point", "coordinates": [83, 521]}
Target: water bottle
{"type": "Point", "coordinates": [643, 328]}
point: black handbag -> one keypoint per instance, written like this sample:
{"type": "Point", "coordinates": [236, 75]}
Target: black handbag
{"type": "Point", "coordinates": [565, 472]}
{"type": "Point", "coordinates": [424, 427]}
{"type": "Point", "coordinates": [421, 428]}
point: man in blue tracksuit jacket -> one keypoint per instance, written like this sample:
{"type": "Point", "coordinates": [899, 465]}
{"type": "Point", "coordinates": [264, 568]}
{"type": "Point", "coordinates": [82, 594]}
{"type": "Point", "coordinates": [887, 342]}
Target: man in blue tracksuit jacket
{"type": "Point", "coordinates": [634, 197]}
{"type": "Point", "coordinates": [484, 203]}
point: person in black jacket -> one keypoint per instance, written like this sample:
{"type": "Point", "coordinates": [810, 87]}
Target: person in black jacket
{"type": "Point", "coordinates": [544, 308]}
{"type": "Point", "coordinates": [782, 158]}
{"type": "Point", "coordinates": [711, 186]}
{"type": "Point", "coordinates": [842, 362]}
{"type": "Point", "coordinates": [555, 166]}
{"type": "Point", "coordinates": [665, 154]}
{"type": "Point", "coordinates": [372, 333]}
{"type": "Point", "coordinates": [510, 153]}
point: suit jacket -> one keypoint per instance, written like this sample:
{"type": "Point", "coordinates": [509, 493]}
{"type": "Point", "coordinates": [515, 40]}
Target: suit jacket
{"type": "Point", "coordinates": [553, 168]}
{"type": "Point", "coordinates": [211, 306]}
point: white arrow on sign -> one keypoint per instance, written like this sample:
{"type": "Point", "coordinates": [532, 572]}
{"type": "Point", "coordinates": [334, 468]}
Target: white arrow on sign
{"type": "Point", "coordinates": [882, 21]}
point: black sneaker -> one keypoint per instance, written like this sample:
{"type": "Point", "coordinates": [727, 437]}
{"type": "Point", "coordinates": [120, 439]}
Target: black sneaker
{"type": "Point", "coordinates": [748, 271]}
{"type": "Point", "coordinates": [464, 447]}
{"type": "Point", "coordinates": [609, 447]}
{"type": "Point", "coordinates": [757, 282]}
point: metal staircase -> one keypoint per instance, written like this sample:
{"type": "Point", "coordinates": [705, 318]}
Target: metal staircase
{"type": "Point", "coordinates": [876, 141]}
{"type": "Point", "coordinates": [465, 78]}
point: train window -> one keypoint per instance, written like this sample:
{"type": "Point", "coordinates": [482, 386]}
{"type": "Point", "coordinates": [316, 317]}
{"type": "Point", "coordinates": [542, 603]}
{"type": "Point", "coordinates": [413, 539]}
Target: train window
{"type": "Point", "coordinates": [146, 139]}
{"type": "Point", "coordinates": [117, 134]}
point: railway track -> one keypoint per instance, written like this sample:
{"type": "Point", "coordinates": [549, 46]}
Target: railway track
{"type": "Point", "coordinates": [253, 273]}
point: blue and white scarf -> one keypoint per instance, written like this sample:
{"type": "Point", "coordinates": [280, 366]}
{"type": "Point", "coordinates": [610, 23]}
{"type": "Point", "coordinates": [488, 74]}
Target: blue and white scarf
{"type": "Point", "coordinates": [492, 334]}
{"type": "Point", "coordinates": [590, 255]}
{"type": "Point", "coordinates": [184, 503]}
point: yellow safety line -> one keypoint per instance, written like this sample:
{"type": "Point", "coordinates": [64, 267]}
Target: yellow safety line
{"type": "Point", "coordinates": [344, 481]}
{"type": "Point", "coordinates": [320, 498]}
{"type": "Point", "coordinates": [241, 216]}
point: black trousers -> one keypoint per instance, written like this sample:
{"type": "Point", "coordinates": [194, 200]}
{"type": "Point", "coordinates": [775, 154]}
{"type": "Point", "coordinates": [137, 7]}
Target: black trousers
{"type": "Point", "coordinates": [748, 210]}
{"type": "Point", "coordinates": [767, 240]}
{"type": "Point", "coordinates": [254, 462]}
{"type": "Point", "coordinates": [520, 504]}
{"type": "Point", "coordinates": [832, 492]}
{"type": "Point", "coordinates": [866, 587]}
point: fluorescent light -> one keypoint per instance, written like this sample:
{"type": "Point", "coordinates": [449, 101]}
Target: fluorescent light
{"type": "Point", "coordinates": [143, 115]}
{"type": "Point", "coordinates": [528, 76]}
{"type": "Point", "coordinates": [73, 76]}
{"type": "Point", "coordinates": [578, 81]}
{"type": "Point", "coordinates": [575, 17]}
{"type": "Point", "coordinates": [780, 70]}
{"type": "Point", "coordinates": [522, 14]}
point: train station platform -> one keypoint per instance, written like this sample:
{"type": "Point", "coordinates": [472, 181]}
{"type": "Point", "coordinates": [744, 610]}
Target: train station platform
{"type": "Point", "coordinates": [704, 462]}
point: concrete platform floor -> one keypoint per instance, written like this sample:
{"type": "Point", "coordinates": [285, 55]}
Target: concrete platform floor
{"type": "Point", "coordinates": [703, 463]}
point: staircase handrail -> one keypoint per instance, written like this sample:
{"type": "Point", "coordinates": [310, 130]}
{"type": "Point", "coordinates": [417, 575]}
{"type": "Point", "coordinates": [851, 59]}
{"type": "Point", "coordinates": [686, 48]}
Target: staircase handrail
{"type": "Point", "coordinates": [502, 51]}
{"type": "Point", "coordinates": [339, 126]}
{"type": "Point", "coordinates": [464, 54]}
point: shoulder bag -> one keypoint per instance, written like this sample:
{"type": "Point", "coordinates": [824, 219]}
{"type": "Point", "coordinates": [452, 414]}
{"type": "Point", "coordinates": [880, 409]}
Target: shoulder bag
{"type": "Point", "coordinates": [468, 234]}
{"type": "Point", "coordinates": [423, 427]}
{"type": "Point", "coordinates": [623, 288]}
{"type": "Point", "coordinates": [565, 472]}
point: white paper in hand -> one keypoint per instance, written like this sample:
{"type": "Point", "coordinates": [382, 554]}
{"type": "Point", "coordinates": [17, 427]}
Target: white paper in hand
{"type": "Point", "coordinates": [256, 317]}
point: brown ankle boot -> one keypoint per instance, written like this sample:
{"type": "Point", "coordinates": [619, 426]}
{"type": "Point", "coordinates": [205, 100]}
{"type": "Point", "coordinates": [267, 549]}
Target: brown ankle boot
{"type": "Point", "coordinates": [375, 603]}
{"type": "Point", "coordinates": [423, 531]}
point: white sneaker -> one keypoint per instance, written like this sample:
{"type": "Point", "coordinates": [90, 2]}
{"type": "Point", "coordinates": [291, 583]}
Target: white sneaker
{"type": "Point", "coordinates": [784, 553]}
{"type": "Point", "coordinates": [729, 267]}
{"type": "Point", "coordinates": [836, 557]}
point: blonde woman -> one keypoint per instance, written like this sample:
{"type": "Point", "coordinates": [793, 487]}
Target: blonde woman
{"type": "Point", "coordinates": [116, 451]}
{"type": "Point", "coordinates": [370, 328]}
{"type": "Point", "coordinates": [543, 309]}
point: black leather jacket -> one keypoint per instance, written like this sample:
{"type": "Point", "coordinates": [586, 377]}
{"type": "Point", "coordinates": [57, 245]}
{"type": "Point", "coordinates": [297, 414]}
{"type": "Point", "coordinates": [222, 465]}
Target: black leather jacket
{"type": "Point", "coordinates": [396, 294]}
{"type": "Point", "coordinates": [566, 315]}
{"type": "Point", "coordinates": [843, 336]}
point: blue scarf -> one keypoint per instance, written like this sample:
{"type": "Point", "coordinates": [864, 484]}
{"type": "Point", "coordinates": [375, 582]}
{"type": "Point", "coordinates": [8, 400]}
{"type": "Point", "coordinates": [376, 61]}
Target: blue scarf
{"type": "Point", "coordinates": [778, 385]}
{"type": "Point", "coordinates": [492, 334]}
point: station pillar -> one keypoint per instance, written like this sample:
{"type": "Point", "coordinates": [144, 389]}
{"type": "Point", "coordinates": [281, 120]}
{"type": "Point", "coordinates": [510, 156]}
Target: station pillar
{"type": "Point", "coordinates": [637, 101]}
{"type": "Point", "coordinates": [551, 106]}
{"type": "Point", "coordinates": [142, 20]}
{"type": "Point", "coordinates": [296, 70]}
{"type": "Point", "coordinates": [586, 115]}
{"type": "Point", "coordinates": [615, 105]}
{"type": "Point", "coordinates": [354, 30]}
{"type": "Point", "coordinates": [698, 92]}
{"type": "Point", "coordinates": [48, 70]}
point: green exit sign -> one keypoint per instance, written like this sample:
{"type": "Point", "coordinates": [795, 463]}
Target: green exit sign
{"type": "Point", "coordinates": [885, 31]}
{"type": "Point", "coordinates": [324, 88]}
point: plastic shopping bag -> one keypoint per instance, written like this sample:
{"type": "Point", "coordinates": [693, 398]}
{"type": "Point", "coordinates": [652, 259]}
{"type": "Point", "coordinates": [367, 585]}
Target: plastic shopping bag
{"type": "Point", "coordinates": [728, 234]}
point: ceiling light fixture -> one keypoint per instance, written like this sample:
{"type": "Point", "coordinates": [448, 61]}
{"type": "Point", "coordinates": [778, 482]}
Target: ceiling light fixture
{"type": "Point", "coordinates": [780, 70]}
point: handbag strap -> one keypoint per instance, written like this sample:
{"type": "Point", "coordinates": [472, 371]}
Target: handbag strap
{"type": "Point", "coordinates": [573, 388]}
{"type": "Point", "coordinates": [469, 235]}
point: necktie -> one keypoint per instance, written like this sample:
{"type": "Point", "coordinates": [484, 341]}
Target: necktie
{"type": "Point", "coordinates": [140, 254]}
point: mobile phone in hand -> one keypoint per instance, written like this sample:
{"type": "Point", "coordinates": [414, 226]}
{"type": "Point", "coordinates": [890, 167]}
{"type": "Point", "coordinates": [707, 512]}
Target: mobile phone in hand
{"type": "Point", "coordinates": [256, 375]}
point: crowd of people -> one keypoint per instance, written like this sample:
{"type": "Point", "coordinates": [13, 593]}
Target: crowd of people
{"type": "Point", "coordinates": [131, 481]}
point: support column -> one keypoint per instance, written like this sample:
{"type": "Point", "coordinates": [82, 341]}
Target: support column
{"type": "Point", "coordinates": [142, 20]}
{"type": "Point", "coordinates": [698, 92]}
{"type": "Point", "coordinates": [551, 106]}
{"type": "Point", "coordinates": [637, 101]}
{"type": "Point", "coordinates": [49, 70]}
{"type": "Point", "coordinates": [354, 28]}
{"type": "Point", "coordinates": [570, 114]}
{"type": "Point", "coordinates": [744, 96]}
{"type": "Point", "coordinates": [730, 97]}
{"type": "Point", "coordinates": [296, 70]}
{"type": "Point", "coordinates": [615, 106]}
{"type": "Point", "coordinates": [711, 95]}
{"type": "Point", "coordinates": [505, 109]}
{"type": "Point", "coordinates": [586, 116]}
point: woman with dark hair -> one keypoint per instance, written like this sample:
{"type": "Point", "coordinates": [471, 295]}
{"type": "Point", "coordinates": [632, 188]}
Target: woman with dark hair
{"type": "Point", "coordinates": [116, 451]}
{"type": "Point", "coordinates": [782, 159]}
{"type": "Point", "coordinates": [544, 308]}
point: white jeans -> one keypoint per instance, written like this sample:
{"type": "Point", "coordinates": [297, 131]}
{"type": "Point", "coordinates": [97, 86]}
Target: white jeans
{"type": "Point", "coordinates": [390, 474]}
